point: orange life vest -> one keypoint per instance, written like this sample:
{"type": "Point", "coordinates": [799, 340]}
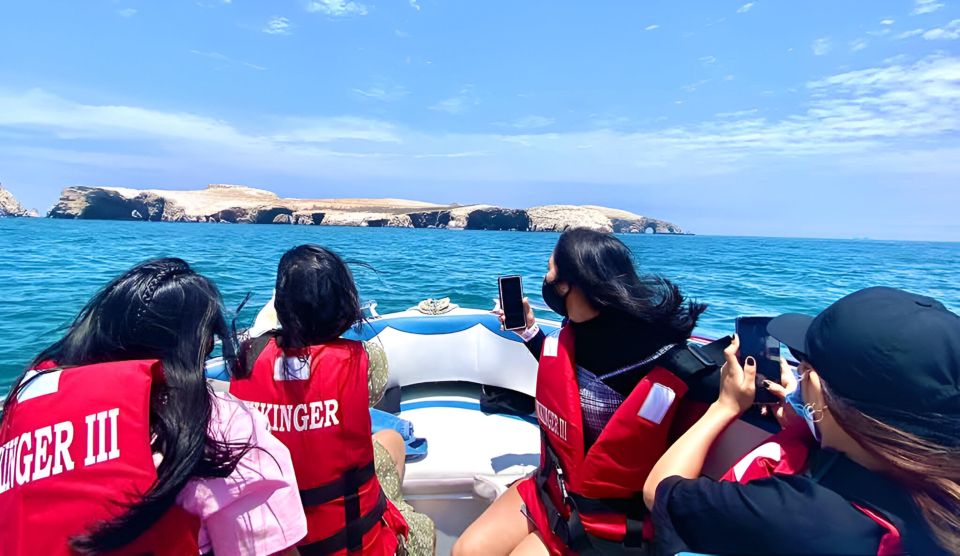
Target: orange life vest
{"type": "Point", "coordinates": [74, 449]}
{"type": "Point", "coordinates": [787, 453]}
{"type": "Point", "coordinates": [317, 402]}
{"type": "Point", "coordinates": [590, 501]}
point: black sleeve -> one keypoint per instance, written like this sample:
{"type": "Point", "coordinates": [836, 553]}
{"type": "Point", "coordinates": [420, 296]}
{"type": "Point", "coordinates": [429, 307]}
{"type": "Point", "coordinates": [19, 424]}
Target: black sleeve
{"type": "Point", "coordinates": [778, 515]}
{"type": "Point", "coordinates": [535, 345]}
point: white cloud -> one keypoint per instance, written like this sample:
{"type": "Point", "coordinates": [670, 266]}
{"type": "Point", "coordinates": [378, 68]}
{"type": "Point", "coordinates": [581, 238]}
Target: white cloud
{"type": "Point", "coordinates": [452, 105]}
{"type": "Point", "coordinates": [886, 21]}
{"type": "Point", "coordinates": [925, 6]}
{"type": "Point", "coordinates": [737, 114]}
{"type": "Point", "coordinates": [414, 5]}
{"type": "Point", "coordinates": [911, 33]}
{"type": "Point", "coordinates": [745, 8]}
{"type": "Point", "coordinates": [127, 12]}
{"type": "Point", "coordinates": [278, 26]}
{"type": "Point", "coordinates": [858, 45]}
{"type": "Point", "coordinates": [337, 8]}
{"type": "Point", "coordinates": [531, 122]}
{"type": "Point", "coordinates": [895, 114]}
{"type": "Point", "coordinates": [692, 87]}
{"type": "Point", "coordinates": [330, 130]}
{"type": "Point", "coordinates": [949, 32]}
{"type": "Point", "coordinates": [226, 59]}
{"type": "Point", "coordinates": [708, 60]}
{"type": "Point", "coordinates": [459, 103]}
{"type": "Point", "coordinates": [821, 46]}
{"type": "Point", "coordinates": [382, 93]}
{"type": "Point", "coordinates": [651, 27]}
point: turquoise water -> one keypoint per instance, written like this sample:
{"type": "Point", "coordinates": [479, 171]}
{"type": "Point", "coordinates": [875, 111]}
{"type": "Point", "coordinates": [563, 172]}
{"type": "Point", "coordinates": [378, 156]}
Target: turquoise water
{"type": "Point", "coordinates": [51, 267]}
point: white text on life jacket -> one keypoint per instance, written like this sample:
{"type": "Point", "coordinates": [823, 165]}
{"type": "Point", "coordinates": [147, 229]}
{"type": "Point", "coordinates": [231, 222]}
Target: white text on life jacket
{"type": "Point", "coordinates": [300, 417]}
{"type": "Point", "coordinates": [551, 421]}
{"type": "Point", "coordinates": [45, 452]}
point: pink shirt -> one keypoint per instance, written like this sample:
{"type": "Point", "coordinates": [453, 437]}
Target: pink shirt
{"type": "Point", "coordinates": [257, 509]}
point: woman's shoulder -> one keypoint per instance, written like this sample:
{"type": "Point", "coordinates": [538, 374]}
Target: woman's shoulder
{"type": "Point", "coordinates": [234, 420]}
{"type": "Point", "coordinates": [771, 514]}
{"type": "Point", "coordinates": [378, 370]}
{"type": "Point", "coordinates": [374, 350]}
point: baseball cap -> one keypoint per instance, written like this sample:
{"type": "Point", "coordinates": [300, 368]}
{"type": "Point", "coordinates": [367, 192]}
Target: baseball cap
{"type": "Point", "coordinates": [892, 354]}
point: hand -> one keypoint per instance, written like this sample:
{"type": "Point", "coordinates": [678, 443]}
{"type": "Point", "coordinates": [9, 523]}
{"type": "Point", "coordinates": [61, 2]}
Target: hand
{"type": "Point", "coordinates": [737, 384]}
{"type": "Point", "coordinates": [788, 383]}
{"type": "Point", "coordinates": [527, 312]}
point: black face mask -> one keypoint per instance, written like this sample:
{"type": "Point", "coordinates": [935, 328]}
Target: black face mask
{"type": "Point", "coordinates": [554, 300]}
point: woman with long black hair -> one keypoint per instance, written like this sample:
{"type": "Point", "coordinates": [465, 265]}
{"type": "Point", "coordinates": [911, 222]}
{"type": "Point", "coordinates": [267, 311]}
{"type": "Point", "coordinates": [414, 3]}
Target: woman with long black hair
{"type": "Point", "coordinates": [604, 402]}
{"type": "Point", "coordinates": [316, 390]}
{"type": "Point", "coordinates": [131, 450]}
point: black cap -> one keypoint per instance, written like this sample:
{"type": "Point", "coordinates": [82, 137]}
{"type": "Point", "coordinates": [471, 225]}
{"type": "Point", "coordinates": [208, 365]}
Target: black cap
{"type": "Point", "coordinates": [893, 355]}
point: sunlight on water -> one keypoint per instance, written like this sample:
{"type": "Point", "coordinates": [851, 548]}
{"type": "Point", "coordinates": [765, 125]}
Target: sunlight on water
{"type": "Point", "coordinates": [51, 267]}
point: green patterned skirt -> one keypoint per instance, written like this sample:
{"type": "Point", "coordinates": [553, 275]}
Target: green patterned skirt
{"type": "Point", "coordinates": [423, 535]}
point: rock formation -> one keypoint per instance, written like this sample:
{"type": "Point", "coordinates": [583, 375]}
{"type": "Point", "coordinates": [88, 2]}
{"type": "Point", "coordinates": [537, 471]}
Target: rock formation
{"type": "Point", "coordinates": [559, 218]}
{"type": "Point", "coordinates": [246, 205]}
{"type": "Point", "coordinates": [10, 206]}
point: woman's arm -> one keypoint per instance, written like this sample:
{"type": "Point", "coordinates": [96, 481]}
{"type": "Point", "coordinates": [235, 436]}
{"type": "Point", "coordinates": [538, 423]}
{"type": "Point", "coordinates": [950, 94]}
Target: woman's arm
{"type": "Point", "coordinates": [257, 509]}
{"type": "Point", "coordinates": [686, 456]}
{"type": "Point", "coordinates": [535, 343]}
{"type": "Point", "coordinates": [532, 336]}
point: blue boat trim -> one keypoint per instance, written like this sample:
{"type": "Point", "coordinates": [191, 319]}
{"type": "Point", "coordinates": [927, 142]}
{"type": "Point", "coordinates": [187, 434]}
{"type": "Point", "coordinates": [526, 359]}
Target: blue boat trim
{"type": "Point", "coordinates": [434, 325]}
{"type": "Point", "coordinates": [457, 404]}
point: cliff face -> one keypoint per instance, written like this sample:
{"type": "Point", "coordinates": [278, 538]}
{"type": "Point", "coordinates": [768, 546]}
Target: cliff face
{"type": "Point", "coordinates": [245, 205]}
{"type": "Point", "coordinates": [9, 206]}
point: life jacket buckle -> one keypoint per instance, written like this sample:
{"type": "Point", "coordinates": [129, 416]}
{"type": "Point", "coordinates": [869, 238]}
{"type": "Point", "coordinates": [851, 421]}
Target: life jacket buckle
{"type": "Point", "coordinates": [561, 483]}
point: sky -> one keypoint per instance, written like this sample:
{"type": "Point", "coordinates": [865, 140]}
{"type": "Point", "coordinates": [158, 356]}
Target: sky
{"type": "Point", "coordinates": [813, 118]}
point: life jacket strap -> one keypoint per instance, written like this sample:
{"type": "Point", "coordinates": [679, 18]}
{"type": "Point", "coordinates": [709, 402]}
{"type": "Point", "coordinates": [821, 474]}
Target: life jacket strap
{"type": "Point", "coordinates": [342, 487]}
{"type": "Point", "coordinates": [350, 538]}
{"type": "Point", "coordinates": [691, 362]}
{"type": "Point", "coordinates": [572, 532]}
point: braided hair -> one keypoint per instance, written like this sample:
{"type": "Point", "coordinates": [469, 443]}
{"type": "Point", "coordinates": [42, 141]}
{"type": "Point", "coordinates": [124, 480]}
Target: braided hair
{"type": "Point", "coordinates": [160, 309]}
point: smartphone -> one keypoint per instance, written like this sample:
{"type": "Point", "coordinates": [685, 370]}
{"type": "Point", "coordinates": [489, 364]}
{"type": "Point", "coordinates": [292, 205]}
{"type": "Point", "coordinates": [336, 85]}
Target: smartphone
{"type": "Point", "coordinates": [757, 343]}
{"type": "Point", "coordinates": [511, 302]}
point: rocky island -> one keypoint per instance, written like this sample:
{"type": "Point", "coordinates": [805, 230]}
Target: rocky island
{"type": "Point", "coordinates": [240, 204]}
{"type": "Point", "coordinates": [9, 206]}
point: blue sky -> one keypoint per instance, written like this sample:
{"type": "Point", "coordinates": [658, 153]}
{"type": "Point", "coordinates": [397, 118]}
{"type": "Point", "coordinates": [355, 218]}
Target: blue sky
{"type": "Point", "coordinates": [817, 118]}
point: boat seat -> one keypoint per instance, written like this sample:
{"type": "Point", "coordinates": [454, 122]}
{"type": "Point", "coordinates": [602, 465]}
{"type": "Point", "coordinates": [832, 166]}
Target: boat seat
{"type": "Point", "coordinates": [467, 448]}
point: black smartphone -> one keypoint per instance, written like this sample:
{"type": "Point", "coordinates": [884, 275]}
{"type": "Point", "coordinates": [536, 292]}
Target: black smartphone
{"type": "Point", "coordinates": [757, 343]}
{"type": "Point", "coordinates": [511, 302]}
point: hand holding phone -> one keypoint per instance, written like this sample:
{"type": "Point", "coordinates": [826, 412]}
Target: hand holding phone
{"type": "Point", "coordinates": [757, 343]}
{"type": "Point", "coordinates": [511, 303]}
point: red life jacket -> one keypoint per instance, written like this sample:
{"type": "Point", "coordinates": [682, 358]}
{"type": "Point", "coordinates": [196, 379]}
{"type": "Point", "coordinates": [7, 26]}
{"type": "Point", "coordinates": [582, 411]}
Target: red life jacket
{"type": "Point", "coordinates": [591, 501]}
{"type": "Point", "coordinates": [317, 402]}
{"type": "Point", "coordinates": [74, 449]}
{"type": "Point", "coordinates": [787, 453]}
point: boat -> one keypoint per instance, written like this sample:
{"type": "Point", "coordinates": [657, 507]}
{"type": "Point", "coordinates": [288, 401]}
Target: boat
{"type": "Point", "coordinates": [441, 356]}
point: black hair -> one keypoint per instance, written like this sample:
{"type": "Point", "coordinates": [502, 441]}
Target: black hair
{"type": "Point", "coordinates": [316, 297]}
{"type": "Point", "coordinates": [602, 267]}
{"type": "Point", "coordinates": [159, 309]}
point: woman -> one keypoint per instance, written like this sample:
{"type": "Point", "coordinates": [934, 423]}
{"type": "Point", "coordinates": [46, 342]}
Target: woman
{"type": "Point", "coordinates": [869, 462]}
{"type": "Point", "coordinates": [131, 450]}
{"type": "Point", "coordinates": [609, 356]}
{"type": "Point", "coordinates": [316, 389]}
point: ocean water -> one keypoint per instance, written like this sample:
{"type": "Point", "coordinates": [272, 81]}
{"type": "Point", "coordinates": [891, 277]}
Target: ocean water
{"type": "Point", "coordinates": [49, 268]}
